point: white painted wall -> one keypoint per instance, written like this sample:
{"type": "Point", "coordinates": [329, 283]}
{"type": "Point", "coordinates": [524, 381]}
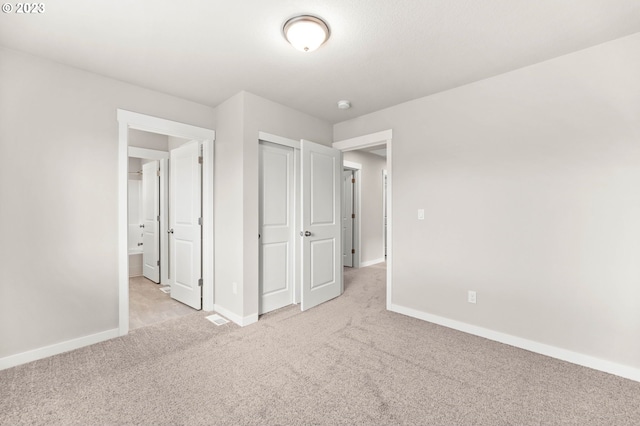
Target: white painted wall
{"type": "Point", "coordinates": [175, 142]}
{"type": "Point", "coordinates": [530, 183]}
{"type": "Point", "coordinates": [58, 252]}
{"type": "Point", "coordinates": [372, 215]}
{"type": "Point", "coordinates": [141, 139]}
{"type": "Point", "coordinates": [229, 204]}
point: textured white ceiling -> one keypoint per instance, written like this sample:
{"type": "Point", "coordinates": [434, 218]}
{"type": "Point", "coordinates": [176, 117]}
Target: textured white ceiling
{"type": "Point", "coordinates": [381, 52]}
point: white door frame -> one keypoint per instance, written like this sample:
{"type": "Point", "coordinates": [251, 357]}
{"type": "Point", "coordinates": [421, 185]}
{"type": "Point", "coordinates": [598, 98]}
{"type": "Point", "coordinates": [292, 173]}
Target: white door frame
{"type": "Point", "coordinates": [384, 208]}
{"type": "Point", "coordinates": [133, 120]}
{"type": "Point", "coordinates": [357, 201]}
{"type": "Point", "coordinates": [367, 141]}
{"type": "Point", "coordinates": [163, 158]}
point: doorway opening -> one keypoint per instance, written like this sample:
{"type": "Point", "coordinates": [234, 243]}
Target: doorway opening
{"type": "Point", "coordinates": [380, 142]}
{"type": "Point", "coordinates": [351, 214]}
{"type": "Point", "coordinates": [182, 247]}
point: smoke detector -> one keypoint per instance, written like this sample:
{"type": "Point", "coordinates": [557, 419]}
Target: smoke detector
{"type": "Point", "coordinates": [344, 104]}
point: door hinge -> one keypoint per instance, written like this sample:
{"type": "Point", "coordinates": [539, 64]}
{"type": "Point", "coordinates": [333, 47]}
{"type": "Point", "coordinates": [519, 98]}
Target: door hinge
{"type": "Point", "coordinates": [199, 160]}
{"type": "Point", "coordinates": [200, 282]}
{"type": "Point", "coordinates": [353, 215]}
{"type": "Point", "coordinates": [158, 263]}
{"type": "Point", "coordinates": [353, 251]}
{"type": "Point", "coordinates": [158, 173]}
{"type": "Point", "coordinates": [158, 218]}
{"type": "Point", "coordinates": [353, 181]}
{"type": "Point", "coordinates": [200, 221]}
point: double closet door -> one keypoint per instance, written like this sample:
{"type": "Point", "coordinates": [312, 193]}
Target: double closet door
{"type": "Point", "coordinates": [300, 224]}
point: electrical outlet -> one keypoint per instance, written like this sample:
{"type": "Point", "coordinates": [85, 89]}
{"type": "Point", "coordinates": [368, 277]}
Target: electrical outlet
{"type": "Point", "coordinates": [234, 288]}
{"type": "Point", "coordinates": [471, 296]}
{"type": "Point", "coordinates": [420, 214]}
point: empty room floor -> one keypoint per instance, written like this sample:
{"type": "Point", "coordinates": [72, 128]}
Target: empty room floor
{"type": "Point", "coordinates": [346, 362]}
{"type": "Point", "coordinates": [149, 305]}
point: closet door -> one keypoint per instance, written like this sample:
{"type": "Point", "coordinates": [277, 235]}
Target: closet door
{"type": "Point", "coordinates": [151, 221]}
{"type": "Point", "coordinates": [321, 223]}
{"type": "Point", "coordinates": [276, 226]}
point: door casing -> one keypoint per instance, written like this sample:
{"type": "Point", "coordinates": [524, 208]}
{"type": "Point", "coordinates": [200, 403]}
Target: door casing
{"type": "Point", "coordinates": [163, 158]}
{"type": "Point", "coordinates": [133, 120]}
{"type": "Point", "coordinates": [357, 209]}
{"type": "Point", "coordinates": [366, 141]}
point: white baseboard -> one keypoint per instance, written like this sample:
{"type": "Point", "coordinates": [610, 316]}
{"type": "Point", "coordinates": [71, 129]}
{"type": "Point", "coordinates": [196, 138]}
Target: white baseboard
{"type": "Point", "coordinates": [241, 321]}
{"type": "Point", "coordinates": [55, 349]}
{"type": "Point", "coordinates": [530, 345]}
{"type": "Point", "coordinates": [371, 262]}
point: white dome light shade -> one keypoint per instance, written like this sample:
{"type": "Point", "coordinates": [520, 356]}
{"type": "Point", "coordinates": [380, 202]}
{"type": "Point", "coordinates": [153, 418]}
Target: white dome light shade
{"type": "Point", "coordinates": [306, 33]}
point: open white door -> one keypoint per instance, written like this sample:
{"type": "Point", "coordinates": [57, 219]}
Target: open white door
{"type": "Point", "coordinates": [151, 221]}
{"type": "Point", "coordinates": [347, 219]}
{"type": "Point", "coordinates": [185, 240]}
{"type": "Point", "coordinates": [277, 220]}
{"type": "Point", "coordinates": [321, 224]}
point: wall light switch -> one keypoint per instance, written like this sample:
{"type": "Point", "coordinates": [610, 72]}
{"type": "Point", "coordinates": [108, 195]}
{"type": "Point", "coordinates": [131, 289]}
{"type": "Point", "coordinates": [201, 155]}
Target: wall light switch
{"type": "Point", "coordinates": [420, 214]}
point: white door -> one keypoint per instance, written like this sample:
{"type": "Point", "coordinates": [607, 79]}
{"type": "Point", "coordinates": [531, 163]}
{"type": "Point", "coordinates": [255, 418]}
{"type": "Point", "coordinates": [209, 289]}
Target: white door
{"type": "Point", "coordinates": [185, 237]}
{"type": "Point", "coordinates": [321, 224]}
{"type": "Point", "coordinates": [347, 218]}
{"type": "Point", "coordinates": [151, 221]}
{"type": "Point", "coordinates": [276, 226]}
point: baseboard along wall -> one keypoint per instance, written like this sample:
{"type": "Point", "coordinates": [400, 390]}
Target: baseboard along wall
{"type": "Point", "coordinates": [529, 345]}
{"type": "Point", "coordinates": [371, 262]}
{"type": "Point", "coordinates": [57, 348]}
{"type": "Point", "coordinates": [241, 321]}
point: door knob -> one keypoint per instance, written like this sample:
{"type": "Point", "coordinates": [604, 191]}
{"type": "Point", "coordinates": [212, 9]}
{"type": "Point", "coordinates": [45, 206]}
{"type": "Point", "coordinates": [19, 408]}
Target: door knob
{"type": "Point", "coordinates": [305, 234]}
{"type": "Point", "coordinates": [170, 231]}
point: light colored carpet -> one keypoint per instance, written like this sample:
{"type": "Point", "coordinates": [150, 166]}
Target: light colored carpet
{"type": "Point", "coordinates": [347, 361]}
{"type": "Point", "coordinates": [148, 305]}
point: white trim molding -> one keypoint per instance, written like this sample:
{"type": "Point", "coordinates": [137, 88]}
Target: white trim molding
{"type": "Point", "coordinates": [149, 154]}
{"type": "Point", "coordinates": [366, 141]}
{"type": "Point", "coordinates": [351, 165]}
{"type": "Point", "coordinates": [237, 319]}
{"type": "Point", "coordinates": [55, 349]}
{"type": "Point", "coordinates": [268, 137]}
{"type": "Point", "coordinates": [372, 262]}
{"type": "Point", "coordinates": [529, 345]}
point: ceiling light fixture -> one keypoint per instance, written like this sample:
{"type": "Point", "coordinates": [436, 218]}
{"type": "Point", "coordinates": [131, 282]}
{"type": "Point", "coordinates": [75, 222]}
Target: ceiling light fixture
{"type": "Point", "coordinates": [305, 32]}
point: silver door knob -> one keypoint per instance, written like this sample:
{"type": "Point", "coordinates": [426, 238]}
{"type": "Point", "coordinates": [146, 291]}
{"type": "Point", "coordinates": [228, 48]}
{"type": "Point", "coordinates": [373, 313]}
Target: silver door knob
{"type": "Point", "coordinates": [305, 234]}
{"type": "Point", "coordinates": [170, 231]}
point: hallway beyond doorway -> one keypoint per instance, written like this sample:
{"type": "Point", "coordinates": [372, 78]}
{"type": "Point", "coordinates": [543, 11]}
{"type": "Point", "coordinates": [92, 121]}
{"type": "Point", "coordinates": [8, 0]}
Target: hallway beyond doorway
{"type": "Point", "coordinates": [149, 305]}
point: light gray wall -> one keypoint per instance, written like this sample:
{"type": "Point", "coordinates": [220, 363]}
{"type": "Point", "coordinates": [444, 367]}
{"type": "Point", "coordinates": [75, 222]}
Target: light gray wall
{"type": "Point", "coordinates": [239, 121]}
{"type": "Point", "coordinates": [371, 193]}
{"type": "Point", "coordinates": [149, 140]}
{"type": "Point", "coordinates": [58, 186]}
{"type": "Point", "coordinates": [229, 204]}
{"type": "Point", "coordinates": [530, 183]}
{"type": "Point", "coordinates": [174, 142]}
